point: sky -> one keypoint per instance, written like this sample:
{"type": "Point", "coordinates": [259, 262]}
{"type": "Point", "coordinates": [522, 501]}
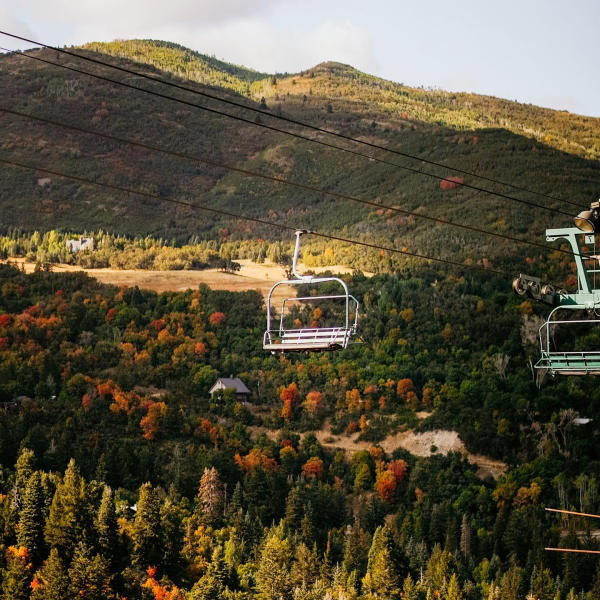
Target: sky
{"type": "Point", "coordinates": [543, 52]}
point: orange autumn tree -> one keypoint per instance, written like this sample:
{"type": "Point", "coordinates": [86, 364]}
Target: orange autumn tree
{"type": "Point", "coordinates": [313, 467]}
{"type": "Point", "coordinates": [388, 481]}
{"type": "Point", "coordinates": [150, 423]}
{"type": "Point", "coordinates": [290, 395]}
{"type": "Point", "coordinates": [404, 387]}
{"type": "Point", "coordinates": [254, 459]}
{"type": "Point", "coordinates": [161, 591]}
{"type": "Point", "coordinates": [386, 486]}
{"type": "Point", "coordinates": [313, 403]}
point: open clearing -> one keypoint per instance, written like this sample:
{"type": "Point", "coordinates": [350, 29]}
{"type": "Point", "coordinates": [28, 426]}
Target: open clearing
{"type": "Point", "coordinates": [419, 444]}
{"type": "Point", "coordinates": [252, 276]}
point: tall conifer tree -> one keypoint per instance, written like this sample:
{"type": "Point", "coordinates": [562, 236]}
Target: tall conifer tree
{"type": "Point", "coordinates": [31, 520]}
{"type": "Point", "coordinates": [146, 535]}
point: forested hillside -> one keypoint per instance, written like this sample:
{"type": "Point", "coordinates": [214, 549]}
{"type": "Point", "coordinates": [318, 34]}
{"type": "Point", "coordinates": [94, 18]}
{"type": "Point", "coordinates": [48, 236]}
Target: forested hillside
{"type": "Point", "coordinates": [122, 477]}
{"type": "Point", "coordinates": [552, 152]}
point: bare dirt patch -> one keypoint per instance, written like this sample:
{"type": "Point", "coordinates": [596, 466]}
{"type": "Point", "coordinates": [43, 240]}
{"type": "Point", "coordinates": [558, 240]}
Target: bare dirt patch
{"type": "Point", "coordinates": [422, 444]}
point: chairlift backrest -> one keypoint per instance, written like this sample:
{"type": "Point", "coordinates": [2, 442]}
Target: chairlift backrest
{"type": "Point", "coordinates": [310, 339]}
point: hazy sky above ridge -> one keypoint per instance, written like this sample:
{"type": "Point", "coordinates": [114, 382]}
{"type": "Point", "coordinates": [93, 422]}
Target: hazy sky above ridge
{"type": "Point", "coordinates": [543, 52]}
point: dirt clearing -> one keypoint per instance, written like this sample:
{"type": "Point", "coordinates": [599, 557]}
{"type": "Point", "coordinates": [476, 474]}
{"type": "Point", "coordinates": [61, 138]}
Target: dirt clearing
{"type": "Point", "coordinates": [251, 276]}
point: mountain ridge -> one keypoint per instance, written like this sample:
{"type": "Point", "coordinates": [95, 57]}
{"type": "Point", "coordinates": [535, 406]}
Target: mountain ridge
{"type": "Point", "coordinates": [431, 125]}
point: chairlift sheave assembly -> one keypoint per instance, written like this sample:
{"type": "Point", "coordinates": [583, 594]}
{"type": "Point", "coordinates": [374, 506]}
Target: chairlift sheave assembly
{"type": "Point", "coordinates": [586, 300]}
{"type": "Point", "coordinates": [280, 337]}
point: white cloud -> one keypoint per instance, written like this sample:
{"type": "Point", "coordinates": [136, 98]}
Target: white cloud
{"type": "Point", "coordinates": [13, 24]}
{"type": "Point", "coordinates": [238, 31]}
{"type": "Point", "coordinates": [256, 44]}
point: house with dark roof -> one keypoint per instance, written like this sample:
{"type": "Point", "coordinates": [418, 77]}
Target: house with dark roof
{"type": "Point", "coordinates": [242, 393]}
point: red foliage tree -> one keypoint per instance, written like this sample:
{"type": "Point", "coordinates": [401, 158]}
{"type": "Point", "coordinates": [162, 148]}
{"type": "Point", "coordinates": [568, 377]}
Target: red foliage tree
{"type": "Point", "coordinates": [451, 183]}
{"type": "Point", "coordinates": [216, 318]}
{"type": "Point", "coordinates": [313, 467]}
{"type": "Point", "coordinates": [386, 486]}
{"type": "Point", "coordinates": [398, 468]}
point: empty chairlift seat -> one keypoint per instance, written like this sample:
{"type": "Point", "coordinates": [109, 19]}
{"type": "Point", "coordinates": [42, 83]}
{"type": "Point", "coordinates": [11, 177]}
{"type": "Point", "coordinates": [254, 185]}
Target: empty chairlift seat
{"type": "Point", "coordinates": [280, 336]}
{"type": "Point", "coordinates": [562, 342]}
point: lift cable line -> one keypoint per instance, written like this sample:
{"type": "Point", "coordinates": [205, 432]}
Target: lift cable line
{"type": "Point", "coordinates": [281, 180]}
{"type": "Point", "coordinates": [248, 218]}
{"type": "Point", "coordinates": [289, 120]}
{"type": "Point", "coordinates": [296, 135]}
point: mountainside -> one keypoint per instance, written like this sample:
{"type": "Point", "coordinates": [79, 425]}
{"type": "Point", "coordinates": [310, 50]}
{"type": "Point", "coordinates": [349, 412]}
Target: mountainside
{"type": "Point", "coordinates": [122, 476]}
{"type": "Point", "coordinates": [549, 151]}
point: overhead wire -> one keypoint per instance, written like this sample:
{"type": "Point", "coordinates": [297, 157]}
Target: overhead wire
{"type": "Point", "coordinates": [292, 121]}
{"type": "Point", "coordinates": [233, 215]}
{"type": "Point", "coordinates": [276, 179]}
{"type": "Point", "coordinates": [296, 135]}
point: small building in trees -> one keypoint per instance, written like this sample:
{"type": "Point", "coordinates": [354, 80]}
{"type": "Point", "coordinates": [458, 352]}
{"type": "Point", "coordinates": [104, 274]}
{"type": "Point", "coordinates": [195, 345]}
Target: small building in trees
{"type": "Point", "coordinates": [83, 243]}
{"type": "Point", "coordinates": [242, 393]}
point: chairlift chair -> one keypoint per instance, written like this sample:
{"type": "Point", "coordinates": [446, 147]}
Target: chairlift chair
{"type": "Point", "coordinates": [586, 301]}
{"type": "Point", "coordinates": [309, 339]}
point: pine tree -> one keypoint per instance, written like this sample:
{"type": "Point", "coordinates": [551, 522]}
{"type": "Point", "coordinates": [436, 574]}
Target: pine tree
{"type": "Point", "coordinates": [307, 527]}
{"type": "Point", "coordinates": [172, 535]}
{"type": "Point", "coordinates": [293, 509]}
{"type": "Point", "coordinates": [51, 582]}
{"type": "Point", "coordinates": [66, 522]}
{"type": "Point", "coordinates": [211, 585]}
{"type": "Point", "coordinates": [511, 583]}
{"type": "Point", "coordinates": [437, 571]}
{"type": "Point", "coordinates": [210, 496]}
{"type": "Point", "coordinates": [409, 589]}
{"type": "Point", "coordinates": [146, 533]}
{"type": "Point", "coordinates": [356, 550]}
{"type": "Point", "coordinates": [24, 469]}
{"type": "Point", "coordinates": [542, 585]}
{"type": "Point", "coordinates": [381, 580]}
{"type": "Point", "coordinates": [237, 498]}
{"type": "Point", "coordinates": [453, 592]}
{"type": "Point", "coordinates": [273, 573]}
{"type": "Point", "coordinates": [305, 569]}
{"type": "Point", "coordinates": [89, 577]}
{"type": "Point", "coordinates": [106, 525]}
{"type": "Point", "coordinates": [31, 521]}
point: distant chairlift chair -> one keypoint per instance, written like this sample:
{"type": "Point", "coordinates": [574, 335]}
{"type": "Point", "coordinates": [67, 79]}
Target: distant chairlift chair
{"type": "Point", "coordinates": [314, 339]}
